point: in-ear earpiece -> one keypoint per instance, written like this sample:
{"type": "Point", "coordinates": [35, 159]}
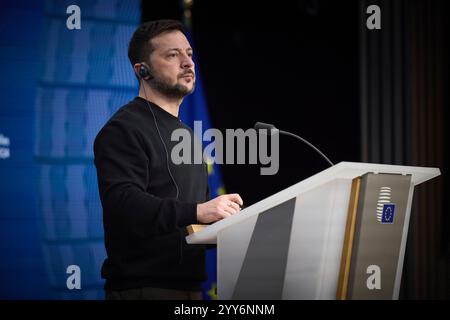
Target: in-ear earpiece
{"type": "Point", "coordinates": [144, 72]}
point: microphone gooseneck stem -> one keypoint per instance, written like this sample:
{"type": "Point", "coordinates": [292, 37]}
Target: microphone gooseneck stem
{"type": "Point", "coordinates": [308, 143]}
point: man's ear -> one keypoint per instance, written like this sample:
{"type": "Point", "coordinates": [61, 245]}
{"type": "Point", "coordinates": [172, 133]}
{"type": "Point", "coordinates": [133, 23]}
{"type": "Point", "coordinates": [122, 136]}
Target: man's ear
{"type": "Point", "coordinates": [136, 68]}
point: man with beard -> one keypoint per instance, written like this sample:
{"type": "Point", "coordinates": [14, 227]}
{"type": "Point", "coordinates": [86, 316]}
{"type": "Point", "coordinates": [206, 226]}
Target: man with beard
{"type": "Point", "coordinates": [147, 200]}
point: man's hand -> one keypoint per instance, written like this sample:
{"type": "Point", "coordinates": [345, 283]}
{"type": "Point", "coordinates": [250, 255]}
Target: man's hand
{"type": "Point", "coordinates": [219, 208]}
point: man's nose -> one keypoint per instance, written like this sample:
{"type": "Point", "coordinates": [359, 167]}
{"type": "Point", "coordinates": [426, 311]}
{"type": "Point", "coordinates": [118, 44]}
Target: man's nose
{"type": "Point", "coordinates": [187, 62]}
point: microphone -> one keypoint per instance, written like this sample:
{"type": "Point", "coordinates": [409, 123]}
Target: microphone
{"type": "Point", "coordinates": [262, 125]}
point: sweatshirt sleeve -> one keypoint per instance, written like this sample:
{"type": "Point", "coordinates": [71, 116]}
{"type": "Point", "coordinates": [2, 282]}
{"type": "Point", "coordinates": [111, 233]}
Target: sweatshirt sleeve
{"type": "Point", "coordinates": [122, 172]}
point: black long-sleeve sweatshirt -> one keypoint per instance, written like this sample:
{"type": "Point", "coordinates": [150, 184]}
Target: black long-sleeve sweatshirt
{"type": "Point", "coordinates": [144, 223]}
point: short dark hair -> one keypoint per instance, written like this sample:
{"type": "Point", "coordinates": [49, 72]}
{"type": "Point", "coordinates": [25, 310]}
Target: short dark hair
{"type": "Point", "coordinates": [140, 46]}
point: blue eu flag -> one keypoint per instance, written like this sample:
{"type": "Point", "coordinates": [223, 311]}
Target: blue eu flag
{"type": "Point", "coordinates": [388, 213]}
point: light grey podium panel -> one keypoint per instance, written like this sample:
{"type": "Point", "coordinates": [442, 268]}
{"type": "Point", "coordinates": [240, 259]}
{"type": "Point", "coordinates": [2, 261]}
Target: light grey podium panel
{"type": "Point", "coordinates": [316, 242]}
{"type": "Point", "coordinates": [290, 251]}
{"type": "Point", "coordinates": [231, 254]}
{"type": "Point", "coordinates": [262, 259]}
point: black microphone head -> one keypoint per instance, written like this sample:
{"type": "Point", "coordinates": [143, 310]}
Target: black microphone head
{"type": "Point", "coordinates": [262, 125]}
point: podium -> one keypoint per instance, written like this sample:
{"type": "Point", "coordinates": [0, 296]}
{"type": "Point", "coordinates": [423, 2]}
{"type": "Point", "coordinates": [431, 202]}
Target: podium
{"type": "Point", "coordinates": [340, 234]}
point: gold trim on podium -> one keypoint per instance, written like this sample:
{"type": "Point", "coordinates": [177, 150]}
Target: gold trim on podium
{"type": "Point", "coordinates": [350, 227]}
{"type": "Point", "coordinates": [195, 228]}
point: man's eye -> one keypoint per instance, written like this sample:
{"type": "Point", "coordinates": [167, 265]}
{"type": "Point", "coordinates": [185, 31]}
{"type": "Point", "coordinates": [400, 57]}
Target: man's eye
{"type": "Point", "coordinates": [172, 55]}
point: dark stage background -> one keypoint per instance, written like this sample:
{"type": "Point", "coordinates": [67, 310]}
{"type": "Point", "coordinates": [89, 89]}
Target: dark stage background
{"type": "Point", "coordinates": [294, 65]}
